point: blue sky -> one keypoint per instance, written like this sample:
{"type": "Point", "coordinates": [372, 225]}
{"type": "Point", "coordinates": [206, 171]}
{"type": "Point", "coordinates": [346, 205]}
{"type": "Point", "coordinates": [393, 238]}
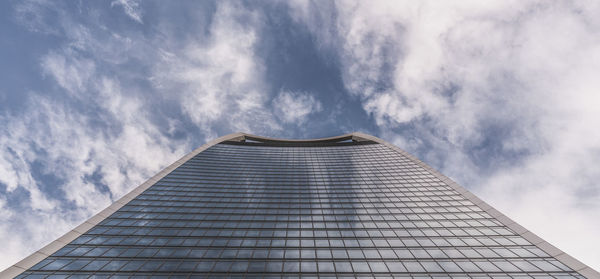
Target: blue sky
{"type": "Point", "coordinates": [96, 97]}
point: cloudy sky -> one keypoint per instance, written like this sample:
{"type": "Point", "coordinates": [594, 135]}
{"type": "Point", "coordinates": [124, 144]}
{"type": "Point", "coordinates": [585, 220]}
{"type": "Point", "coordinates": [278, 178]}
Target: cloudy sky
{"type": "Point", "coordinates": [97, 96]}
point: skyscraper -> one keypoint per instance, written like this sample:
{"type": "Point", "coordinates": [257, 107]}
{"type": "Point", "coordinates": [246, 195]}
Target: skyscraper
{"type": "Point", "coordinates": [351, 206]}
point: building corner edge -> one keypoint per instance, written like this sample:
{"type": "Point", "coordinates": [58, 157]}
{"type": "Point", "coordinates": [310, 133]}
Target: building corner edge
{"type": "Point", "coordinates": [550, 249]}
{"type": "Point", "coordinates": [38, 256]}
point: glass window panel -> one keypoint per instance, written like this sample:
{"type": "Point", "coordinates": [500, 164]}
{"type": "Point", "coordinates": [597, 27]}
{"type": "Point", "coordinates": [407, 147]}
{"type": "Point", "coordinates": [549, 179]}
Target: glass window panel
{"type": "Point", "coordinates": [404, 254]}
{"type": "Point", "coordinates": [378, 267]}
{"type": "Point", "coordinates": [431, 266]}
{"type": "Point", "coordinates": [468, 266]}
{"type": "Point", "coordinates": [339, 254]}
{"type": "Point", "coordinates": [44, 263]}
{"type": "Point", "coordinates": [170, 266]}
{"type": "Point", "coordinates": [355, 254]}
{"type": "Point", "coordinates": [291, 267]}
{"type": "Point", "coordinates": [371, 254]}
{"type": "Point", "coordinates": [96, 252]}
{"type": "Point", "coordinates": [413, 267]}
{"type": "Point", "coordinates": [324, 254]}
{"type": "Point", "coordinates": [449, 266]}
{"type": "Point", "coordinates": [256, 266]}
{"type": "Point", "coordinates": [273, 266]}
{"type": "Point", "coordinates": [132, 266]}
{"type": "Point", "coordinates": [505, 266]}
{"type": "Point", "coordinates": [487, 266]}
{"type": "Point", "coordinates": [343, 266]}
{"type": "Point", "coordinates": [221, 266]}
{"type": "Point", "coordinates": [239, 266]}
{"type": "Point", "coordinates": [150, 266]}
{"type": "Point", "coordinates": [56, 264]}
{"type": "Point", "coordinates": [308, 266]}
{"type": "Point", "coordinates": [292, 254]}
{"type": "Point", "coordinates": [360, 266]}
{"type": "Point", "coordinates": [545, 266]}
{"type": "Point", "coordinates": [205, 266]}
{"type": "Point", "coordinates": [114, 265]}
{"type": "Point", "coordinates": [308, 254]}
{"type": "Point", "coordinates": [396, 267]}
{"type": "Point", "coordinates": [260, 254]}
{"type": "Point", "coordinates": [326, 267]}
{"type": "Point", "coordinates": [525, 266]}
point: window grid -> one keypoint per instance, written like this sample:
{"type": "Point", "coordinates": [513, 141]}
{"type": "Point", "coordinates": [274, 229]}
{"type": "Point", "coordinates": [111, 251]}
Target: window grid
{"type": "Point", "coordinates": [352, 211]}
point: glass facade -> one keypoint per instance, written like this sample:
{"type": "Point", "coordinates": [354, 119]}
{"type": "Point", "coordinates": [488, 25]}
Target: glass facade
{"type": "Point", "coordinates": [339, 210]}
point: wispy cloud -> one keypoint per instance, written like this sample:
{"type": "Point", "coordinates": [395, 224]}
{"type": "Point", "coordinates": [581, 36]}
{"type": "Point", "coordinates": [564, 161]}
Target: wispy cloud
{"type": "Point", "coordinates": [38, 16]}
{"type": "Point", "coordinates": [90, 126]}
{"type": "Point", "coordinates": [295, 107]}
{"type": "Point", "coordinates": [219, 79]}
{"type": "Point", "coordinates": [69, 72]}
{"type": "Point", "coordinates": [70, 147]}
{"type": "Point", "coordinates": [131, 8]}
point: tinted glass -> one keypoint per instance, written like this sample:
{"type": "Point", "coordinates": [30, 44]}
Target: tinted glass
{"type": "Point", "coordinates": [332, 211]}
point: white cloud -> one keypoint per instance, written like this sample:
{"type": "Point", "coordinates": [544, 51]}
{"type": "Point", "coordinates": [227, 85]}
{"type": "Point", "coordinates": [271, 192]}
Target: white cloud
{"type": "Point", "coordinates": [295, 107]}
{"type": "Point", "coordinates": [68, 146]}
{"type": "Point", "coordinates": [220, 79]}
{"type": "Point", "coordinates": [69, 72]}
{"type": "Point", "coordinates": [131, 8]}
{"type": "Point", "coordinates": [37, 16]}
{"type": "Point", "coordinates": [98, 128]}
{"type": "Point", "coordinates": [491, 78]}
{"type": "Point", "coordinates": [102, 125]}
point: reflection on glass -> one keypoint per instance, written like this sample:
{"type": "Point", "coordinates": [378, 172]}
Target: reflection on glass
{"type": "Point", "coordinates": [355, 210]}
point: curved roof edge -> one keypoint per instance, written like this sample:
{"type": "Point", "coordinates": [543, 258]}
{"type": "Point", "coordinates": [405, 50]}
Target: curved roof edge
{"type": "Point", "coordinates": [54, 246]}
{"type": "Point", "coordinates": [351, 136]}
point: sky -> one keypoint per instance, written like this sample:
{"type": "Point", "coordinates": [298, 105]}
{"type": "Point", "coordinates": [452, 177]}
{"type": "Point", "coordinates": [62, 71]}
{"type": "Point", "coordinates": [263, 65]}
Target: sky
{"type": "Point", "coordinates": [501, 96]}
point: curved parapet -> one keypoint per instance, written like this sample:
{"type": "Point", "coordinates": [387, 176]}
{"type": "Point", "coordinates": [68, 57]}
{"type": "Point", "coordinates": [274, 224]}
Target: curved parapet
{"type": "Point", "coordinates": [337, 140]}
